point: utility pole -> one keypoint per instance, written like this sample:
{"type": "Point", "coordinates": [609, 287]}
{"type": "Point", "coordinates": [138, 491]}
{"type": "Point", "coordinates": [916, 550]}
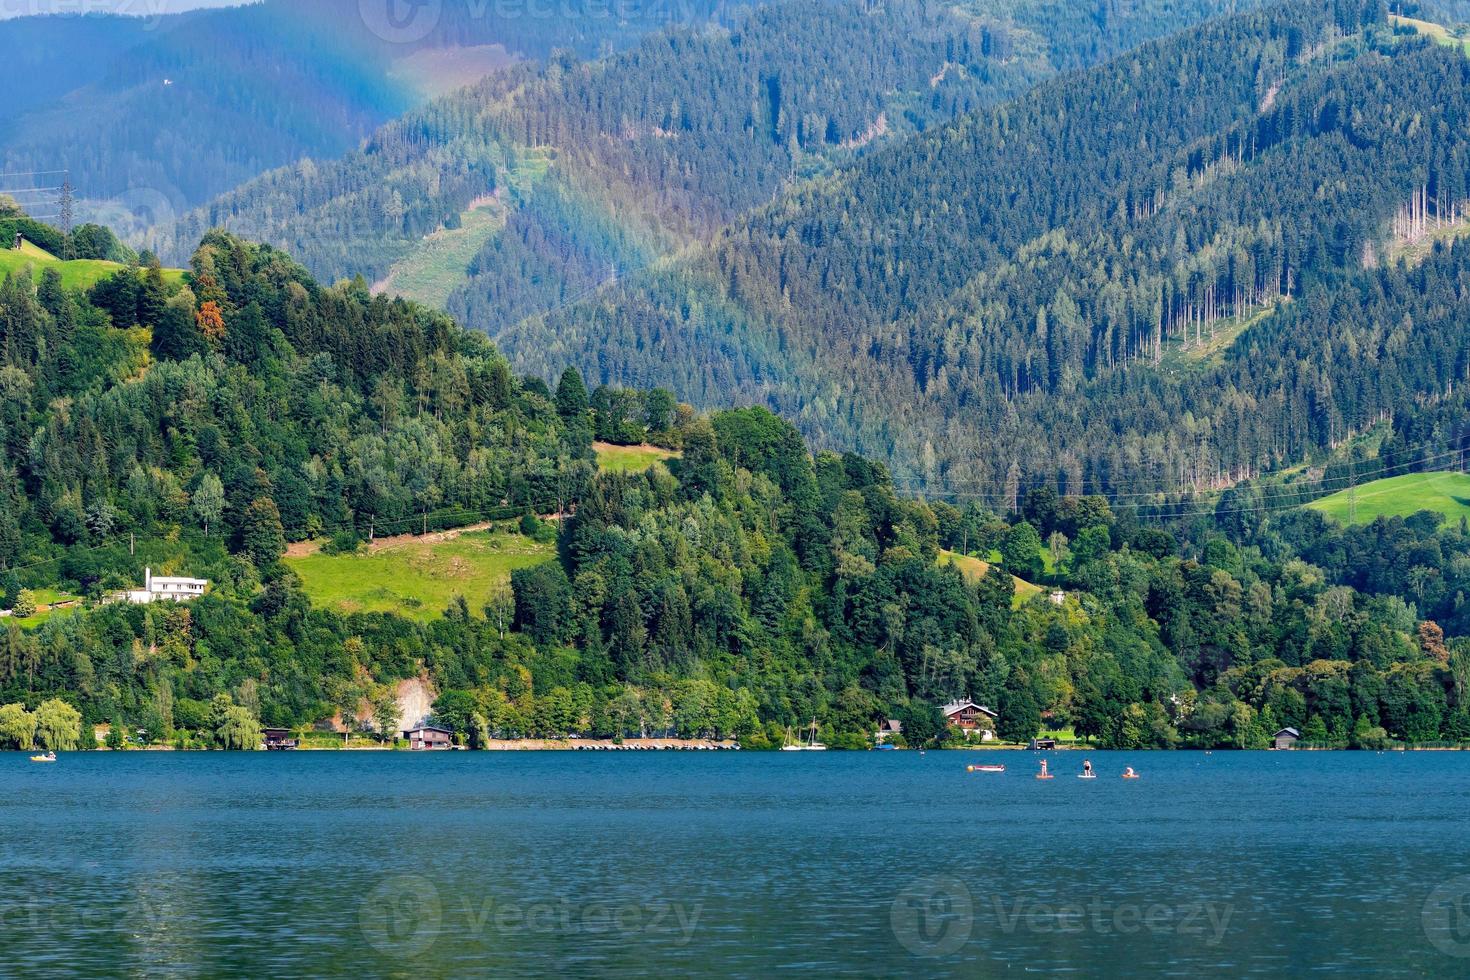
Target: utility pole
{"type": "Point", "coordinates": [1352, 491]}
{"type": "Point", "coordinates": [66, 202]}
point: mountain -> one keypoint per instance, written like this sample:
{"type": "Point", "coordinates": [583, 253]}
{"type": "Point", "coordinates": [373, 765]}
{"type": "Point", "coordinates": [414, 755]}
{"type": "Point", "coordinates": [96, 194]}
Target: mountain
{"type": "Point", "coordinates": [152, 115]}
{"type": "Point", "coordinates": [196, 424]}
{"type": "Point", "coordinates": [1153, 275]}
{"type": "Point", "coordinates": [544, 182]}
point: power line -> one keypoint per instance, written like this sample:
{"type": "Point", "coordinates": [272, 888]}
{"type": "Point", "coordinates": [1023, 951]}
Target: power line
{"type": "Point", "coordinates": [1272, 499]}
{"type": "Point", "coordinates": [1154, 495]}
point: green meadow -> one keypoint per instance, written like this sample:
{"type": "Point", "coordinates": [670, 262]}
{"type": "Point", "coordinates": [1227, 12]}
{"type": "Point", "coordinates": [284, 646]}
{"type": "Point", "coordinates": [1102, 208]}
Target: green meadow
{"type": "Point", "coordinates": [1444, 493]}
{"type": "Point", "coordinates": [629, 459]}
{"type": "Point", "coordinates": [76, 274]}
{"type": "Point", "coordinates": [974, 569]}
{"type": "Point", "coordinates": [418, 577]}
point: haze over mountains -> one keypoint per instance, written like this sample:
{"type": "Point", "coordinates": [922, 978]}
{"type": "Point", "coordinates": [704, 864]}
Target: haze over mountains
{"type": "Point", "coordinates": [655, 149]}
{"type": "Point", "coordinates": [156, 113]}
{"type": "Point", "coordinates": [932, 234]}
{"type": "Point", "coordinates": [1053, 285]}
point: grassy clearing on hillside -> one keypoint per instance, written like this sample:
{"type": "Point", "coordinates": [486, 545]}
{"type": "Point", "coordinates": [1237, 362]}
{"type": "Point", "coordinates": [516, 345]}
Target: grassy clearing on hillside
{"type": "Point", "coordinates": [50, 602]}
{"type": "Point", "coordinates": [1415, 252]}
{"type": "Point", "coordinates": [629, 459]}
{"type": "Point", "coordinates": [1225, 333]}
{"type": "Point", "coordinates": [76, 274]}
{"type": "Point", "coordinates": [974, 569]}
{"type": "Point", "coordinates": [1444, 493]}
{"type": "Point", "coordinates": [433, 72]}
{"type": "Point", "coordinates": [418, 578]}
{"type": "Point", "coordinates": [438, 264]}
{"type": "Point", "coordinates": [1048, 563]}
{"type": "Point", "coordinates": [1436, 32]}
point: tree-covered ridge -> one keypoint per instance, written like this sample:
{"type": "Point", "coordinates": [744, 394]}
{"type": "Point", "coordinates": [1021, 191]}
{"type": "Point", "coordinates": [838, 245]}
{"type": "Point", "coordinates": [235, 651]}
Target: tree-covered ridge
{"type": "Point", "coordinates": [658, 147]}
{"type": "Point", "coordinates": [746, 587]}
{"type": "Point", "coordinates": [1049, 286]}
{"type": "Point", "coordinates": [315, 408]}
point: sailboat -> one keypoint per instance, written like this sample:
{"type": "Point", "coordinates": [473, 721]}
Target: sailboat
{"type": "Point", "coordinates": [812, 745]}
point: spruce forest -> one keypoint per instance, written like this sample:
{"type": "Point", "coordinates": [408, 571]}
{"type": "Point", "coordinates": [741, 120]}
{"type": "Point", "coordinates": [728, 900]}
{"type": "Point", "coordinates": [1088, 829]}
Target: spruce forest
{"type": "Point", "coordinates": [984, 352]}
{"type": "Point", "coordinates": [743, 587]}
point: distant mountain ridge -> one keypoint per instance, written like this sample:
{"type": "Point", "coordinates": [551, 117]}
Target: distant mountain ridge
{"type": "Point", "coordinates": [153, 115]}
{"type": "Point", "coordinates": [1135, 279]}
{"type": "Point", "coordinates": [611, 165]}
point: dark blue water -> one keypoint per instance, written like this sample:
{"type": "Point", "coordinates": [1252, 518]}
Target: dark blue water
{"type": "Point", "coordinates": [1269, 864]}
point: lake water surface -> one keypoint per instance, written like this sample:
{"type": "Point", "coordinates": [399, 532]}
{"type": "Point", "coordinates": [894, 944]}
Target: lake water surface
{"type": "Point", "coordinates": [868, 864]}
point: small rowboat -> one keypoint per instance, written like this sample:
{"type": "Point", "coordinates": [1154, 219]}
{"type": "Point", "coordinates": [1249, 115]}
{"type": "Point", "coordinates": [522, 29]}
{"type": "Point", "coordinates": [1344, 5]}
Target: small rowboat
{"type": "Point", "coordinates": [48, 757]}
{"type": "Point", "coordinates": [985, 769]}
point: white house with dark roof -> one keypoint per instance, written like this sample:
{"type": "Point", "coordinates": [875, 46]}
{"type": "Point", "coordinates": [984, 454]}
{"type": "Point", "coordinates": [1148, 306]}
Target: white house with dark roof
{"type": "Point", "coordinates": [161, 588]}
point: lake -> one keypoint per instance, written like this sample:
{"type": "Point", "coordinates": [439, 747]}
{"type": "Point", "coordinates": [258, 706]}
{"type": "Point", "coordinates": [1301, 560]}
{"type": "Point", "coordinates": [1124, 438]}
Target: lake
{"type": "Point", "coordinates": [865, 864]}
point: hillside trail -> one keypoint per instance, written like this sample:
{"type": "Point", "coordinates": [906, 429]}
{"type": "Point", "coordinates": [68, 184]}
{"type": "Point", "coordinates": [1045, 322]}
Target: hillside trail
{"type": "Point", "coordinates": [385, 542]}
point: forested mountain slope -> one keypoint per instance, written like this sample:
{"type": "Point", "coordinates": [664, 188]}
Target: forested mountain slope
{"type": "Point", "coordinates": [159, 113]}
{"type": "Point", "coordinates": [601, 168]}
{"type": "Point", "coordinates": [1047, 292]}
{"type": "Point", "coordinates": [745, 587]}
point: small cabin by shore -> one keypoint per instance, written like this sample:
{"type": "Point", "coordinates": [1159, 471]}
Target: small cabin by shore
{"type": "Point", "coordinates": [426, 737]}
{"type": "Point", "coordinates": [278, 739]}
{"type": "Point", "coordinates": [1287, 738]}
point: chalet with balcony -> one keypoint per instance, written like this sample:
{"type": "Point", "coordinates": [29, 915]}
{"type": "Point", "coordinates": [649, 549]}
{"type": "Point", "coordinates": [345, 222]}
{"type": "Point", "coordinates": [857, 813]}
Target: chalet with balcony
{"type": "Point", "coordinates": [967, 716]}
{"type": "Point", "coordinates": [426, 737]}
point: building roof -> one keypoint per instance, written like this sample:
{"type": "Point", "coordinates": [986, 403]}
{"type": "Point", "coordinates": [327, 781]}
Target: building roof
{"type": "Point", "coordinates": [891, 725]}
{"type": "Point", "coordinates": [174, 580]}
{"type": "Point", "coordinates": [1288, 731]}
{"type": "Point", "coordinates": [428, 728]}
{"type": "Point", "coordinates": [955, 707]}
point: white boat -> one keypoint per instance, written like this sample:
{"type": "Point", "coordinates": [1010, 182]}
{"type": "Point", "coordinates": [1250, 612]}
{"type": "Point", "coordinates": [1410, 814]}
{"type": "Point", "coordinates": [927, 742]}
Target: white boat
{"type": "Point", "coordinates": [812, 745]}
